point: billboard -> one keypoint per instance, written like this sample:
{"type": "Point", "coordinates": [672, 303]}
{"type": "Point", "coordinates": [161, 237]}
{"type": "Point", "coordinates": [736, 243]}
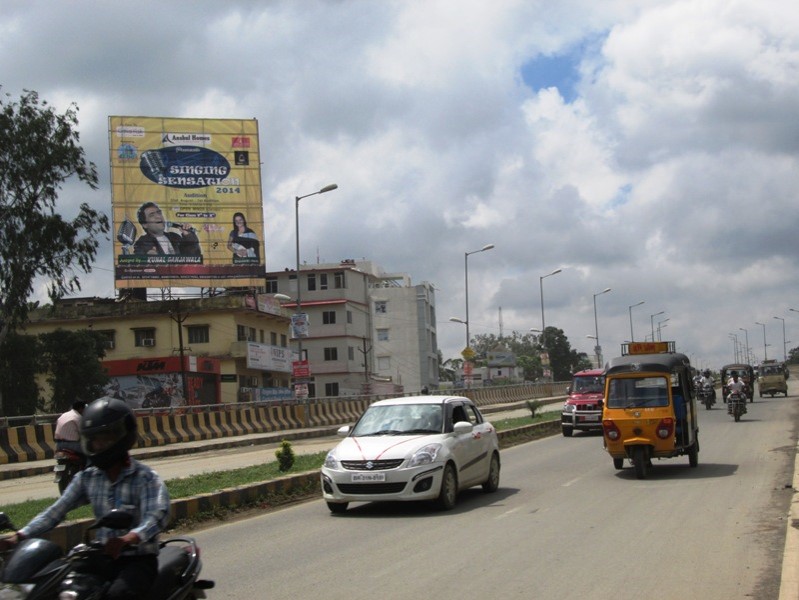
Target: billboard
{"type": "Point", "coordinates": [186, 202]}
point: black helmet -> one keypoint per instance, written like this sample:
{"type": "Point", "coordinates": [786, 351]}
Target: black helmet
{"type": "Point", "coordinates": [107, 431]}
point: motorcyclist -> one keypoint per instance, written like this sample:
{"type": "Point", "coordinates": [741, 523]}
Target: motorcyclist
{"type": "Point", "coordinates": [707, 380]}
{"type": "Point", "coordinates": [67, 429]}
{"type": "Point", "coordinates": [737, 386]}
{"type": "Point", "coordinates": [114, 480]}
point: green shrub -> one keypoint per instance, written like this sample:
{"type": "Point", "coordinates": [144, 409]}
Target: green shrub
{"type": "Point", "coordinates": [285, 456]}
{"type": "Point", "coordinates": [534, 405]}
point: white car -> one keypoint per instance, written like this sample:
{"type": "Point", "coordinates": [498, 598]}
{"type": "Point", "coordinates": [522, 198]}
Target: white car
{"type": "Point", "coordinates": [414, 448]}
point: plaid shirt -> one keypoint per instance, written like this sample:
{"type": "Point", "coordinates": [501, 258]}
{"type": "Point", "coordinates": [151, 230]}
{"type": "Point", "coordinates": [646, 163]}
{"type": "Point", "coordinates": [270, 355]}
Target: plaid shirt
{"type": "Point", "coordinates": [138, 490]}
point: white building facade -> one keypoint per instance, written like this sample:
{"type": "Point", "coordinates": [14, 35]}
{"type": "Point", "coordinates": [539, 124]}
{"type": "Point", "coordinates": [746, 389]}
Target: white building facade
{"type": "Point", "coordinates": [368, 331]}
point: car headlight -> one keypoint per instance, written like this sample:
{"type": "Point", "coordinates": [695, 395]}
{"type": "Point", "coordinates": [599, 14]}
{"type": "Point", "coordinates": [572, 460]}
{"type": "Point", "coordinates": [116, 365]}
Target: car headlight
{"type": "Point", "coordinates": [569, 408]}
{"type": "Point", "coordinates": [425, 455]}
{"type": "Point", "coordinates": [330, 461]}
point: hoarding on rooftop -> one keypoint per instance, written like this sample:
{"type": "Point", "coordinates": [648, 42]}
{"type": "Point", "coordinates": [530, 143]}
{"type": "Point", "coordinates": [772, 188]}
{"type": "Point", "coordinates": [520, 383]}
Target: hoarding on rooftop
{"type": "Point", "coordinates": [186, 202]}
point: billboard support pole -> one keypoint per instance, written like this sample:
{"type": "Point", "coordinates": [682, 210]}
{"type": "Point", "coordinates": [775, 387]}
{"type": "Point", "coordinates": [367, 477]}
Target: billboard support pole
{"type": "Point", "coordinates": [178, 318]}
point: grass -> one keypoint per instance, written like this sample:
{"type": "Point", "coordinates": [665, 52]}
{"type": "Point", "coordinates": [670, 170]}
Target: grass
{"type": "Point", "coordinates": [205, 483]}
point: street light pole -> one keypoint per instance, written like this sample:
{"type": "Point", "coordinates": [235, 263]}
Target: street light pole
{"type": "Point", "coordinates": [652, 322]}
{"type": "Point", "coordinates": [746, 332]}
{"type": "Point", "coordinates": [598, 348]}
{"type": "Point", "coordinates": [784, 350]}
{"type": "Point", "coordinates": [541, 285]}
{"type": "Point", "coordinates": [327, 188]}
{"type": "Point", "coordinates": [660, 326]}
{"type": "Point", "coordinates": [630, 308]}
{"type": "Point", "coordinates": [765, 346]}
{"type": "Point", "coordinates": [466, 282]}
{"type": "Point", "coordinates": [735, 347]}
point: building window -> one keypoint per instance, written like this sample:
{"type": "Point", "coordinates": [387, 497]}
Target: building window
{"type": "Point", "coordinates": [383, 363]}
{"type": "Point", "coordinates": [338, 280]}
{"type": "Point", "coordinates": [283, 340]}
{"type": "Point", "coordinates": [311, 282]}
{"type": "Point", "coordinates": [109, 339]}
{"type": "Point", "coordinates": [322, 281]}
{"type": "Point", "coordinates": [331, 353]}
{"type": "Point", "coordinates": [380, 307]}
{"type": "Point", "coordinates": [329, 317]}
{"type": "Point", "coordinates": [331, 389]}
{"type": "Point", "coordinates": [261, 336]}
{"type": "Point", "coordinates": [271, 285]}
{"type": "Point", "coordinates": [382, 335]}
{"type": "Point", "coordinates": [273, 338]}
{"type": "Point", "coordinates": [198, 334]}
{"type": "Point", "coordinates": [144, 337]}
{"type": "Point", "coordinates": [349, 317]}
{"type": "Point", "coordinates": [245, 334]}
{"type": "Point", "coordinates": [350, 353]}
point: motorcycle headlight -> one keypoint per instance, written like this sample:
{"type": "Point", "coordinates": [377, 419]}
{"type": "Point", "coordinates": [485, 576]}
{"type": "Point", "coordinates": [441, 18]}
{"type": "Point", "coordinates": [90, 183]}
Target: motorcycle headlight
{"type": "Point", "coordinates": [331, 462]}
{"type": "Point", "coordinates": [425, 455]}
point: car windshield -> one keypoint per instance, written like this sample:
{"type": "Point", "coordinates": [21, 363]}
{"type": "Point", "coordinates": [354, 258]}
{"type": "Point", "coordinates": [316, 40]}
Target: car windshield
{"type": "Point", "coordinates": [588, 385]}
{"type": "Point", "coordinates": [629, 392]}
{"type": "Point", "coordinates": [770, 371]}
{"type": "Point", "coordinates": [400, 419]}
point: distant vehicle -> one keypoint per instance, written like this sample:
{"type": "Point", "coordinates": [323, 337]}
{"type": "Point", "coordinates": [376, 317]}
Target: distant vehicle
{"type": "Point", "coordinates": [412, 448]}
{"type": "Point", "coordinates": [772, 378]}
{"type": "Point", "coordinates": [583, 407]}
{"type": "Point", "coordinates": [745, 372]}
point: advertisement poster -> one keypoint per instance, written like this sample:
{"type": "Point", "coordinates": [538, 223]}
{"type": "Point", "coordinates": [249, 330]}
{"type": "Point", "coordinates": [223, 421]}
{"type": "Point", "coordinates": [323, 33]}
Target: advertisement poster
{"type": "Point", "coordinates": [186, 202]}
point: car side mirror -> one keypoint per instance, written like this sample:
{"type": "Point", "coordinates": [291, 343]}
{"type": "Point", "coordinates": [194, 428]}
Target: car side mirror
{"type": "Point", "coordinates": [343, 431]}
{"type": "Point", "coordinates": [462, 427]}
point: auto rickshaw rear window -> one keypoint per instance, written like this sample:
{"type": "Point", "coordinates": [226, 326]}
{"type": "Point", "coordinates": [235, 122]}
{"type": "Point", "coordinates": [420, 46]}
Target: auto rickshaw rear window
{"type": "Point", "coordinates": [629, 392]}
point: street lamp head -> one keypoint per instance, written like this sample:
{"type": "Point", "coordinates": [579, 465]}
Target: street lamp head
{"type": "Point", "coordinates": [605, 291]}
{"type": "Point", "coordinates": [486, 247]}
{"type": "Point", "coordinates": [659, 313]}
{"type": "Point", "coordinates": [328, 188]}
{"type": "Point", "coordinates": [457, 320]}
{"type": "Point", "coordinates": [556, 271]}
{"type": "Point", "coordinates": [534, 330]}
{"type": "Point", "coordinates": [638, 304]}
{"type": "Point", "coordinates": [591, 337]}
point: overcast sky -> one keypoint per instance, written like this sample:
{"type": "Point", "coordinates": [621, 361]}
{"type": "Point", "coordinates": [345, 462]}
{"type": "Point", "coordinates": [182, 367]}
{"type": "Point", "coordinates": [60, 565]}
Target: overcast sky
{"type": "Point", "coordinates": [650, 147]}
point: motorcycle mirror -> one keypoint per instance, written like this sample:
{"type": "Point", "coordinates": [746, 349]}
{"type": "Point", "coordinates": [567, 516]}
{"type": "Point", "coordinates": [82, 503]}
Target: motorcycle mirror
{"type": "Point", "coordinates": [5, 523]}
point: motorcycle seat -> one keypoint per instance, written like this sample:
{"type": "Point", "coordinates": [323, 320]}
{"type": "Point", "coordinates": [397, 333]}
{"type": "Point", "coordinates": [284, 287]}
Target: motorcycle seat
{"type": "Point", "coordinates": [172, 562]}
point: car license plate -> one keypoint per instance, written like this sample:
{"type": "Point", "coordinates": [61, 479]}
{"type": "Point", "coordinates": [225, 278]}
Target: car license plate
{"type": "Point", "coordinates": [368, 477]}
{"type": "Point", "coordinates": [591, 418]}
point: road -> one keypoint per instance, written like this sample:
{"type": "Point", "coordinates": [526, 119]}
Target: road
{"type": "Point", "coordinates": [14, 491]}
{"type": "Point", "coordinates": [564, 524]}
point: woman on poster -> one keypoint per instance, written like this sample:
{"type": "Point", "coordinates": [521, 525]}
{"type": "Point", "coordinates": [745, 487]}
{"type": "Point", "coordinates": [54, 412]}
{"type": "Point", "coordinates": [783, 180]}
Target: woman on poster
{"type": "Point", "coordinates": [242, 241]}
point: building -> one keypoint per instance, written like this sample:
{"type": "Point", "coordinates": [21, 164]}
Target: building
{"type": "Point", "coordinates": [187, 351]}
{"type": "Point", "coordinates": [368, 331]}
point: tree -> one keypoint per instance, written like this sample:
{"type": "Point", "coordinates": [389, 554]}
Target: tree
{"type": "Point", "coordinates": [19, 355]}
{"type": "Point", "coordinates": [39, 151]}
{"type": "Point", "coordinates": [562, 359]}
{"type": "Point", "coordinates": [71, 360]}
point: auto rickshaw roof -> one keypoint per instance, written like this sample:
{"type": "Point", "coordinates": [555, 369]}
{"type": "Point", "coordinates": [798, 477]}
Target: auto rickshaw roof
{"type": "Point", "coordinates": [737, 367]}
{"type": "Point", "coordinates": [664, 362]}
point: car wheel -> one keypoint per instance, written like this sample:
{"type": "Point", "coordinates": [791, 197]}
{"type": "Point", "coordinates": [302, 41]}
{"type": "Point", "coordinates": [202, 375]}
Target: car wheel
{"type": "Point", "coordinates": [337, 507]}
{"type": "Point", "coordinates": [492, 483]}
{"type": "Point", "coordinates": [567, 431]}
{"type": "Point", "coordinates": [618, 463]}
{"type": "Point", "coordinates": [449, 489]}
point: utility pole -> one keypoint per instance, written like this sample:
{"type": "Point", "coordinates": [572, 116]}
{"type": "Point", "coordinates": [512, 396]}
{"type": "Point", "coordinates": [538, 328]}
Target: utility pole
{"type": "Point", "coordinates": [178, 318]}
{"type": "Point", "coordinates": [365, 353]}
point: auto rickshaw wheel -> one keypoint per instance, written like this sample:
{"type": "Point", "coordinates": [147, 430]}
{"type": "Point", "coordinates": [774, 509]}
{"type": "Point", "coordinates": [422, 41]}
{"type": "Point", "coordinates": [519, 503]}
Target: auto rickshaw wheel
{"type": "Point", "coordinates": [640, 462]}
{"type": "Point", "coordinates": [618, 463]}
{"type": "Point", "coordinates": [693, 455]}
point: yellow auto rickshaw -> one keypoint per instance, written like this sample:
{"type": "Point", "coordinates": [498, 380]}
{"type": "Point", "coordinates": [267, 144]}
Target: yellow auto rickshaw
{"type": "Point", "coordinates": [649, 409]}
{"type": "Point", "coordinates": [772, 378]}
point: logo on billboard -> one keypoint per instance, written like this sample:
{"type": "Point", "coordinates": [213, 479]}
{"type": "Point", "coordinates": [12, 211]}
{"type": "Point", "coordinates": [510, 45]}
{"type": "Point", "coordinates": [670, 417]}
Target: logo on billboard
{"type": "Point", "coordinates": [127, 152]}
{"type": "Point", "coordinates": [197, 139]}
{"type": "Point", "coordinates": [240, 141]}
{"type": "Point", "coordinates": [185, 167]}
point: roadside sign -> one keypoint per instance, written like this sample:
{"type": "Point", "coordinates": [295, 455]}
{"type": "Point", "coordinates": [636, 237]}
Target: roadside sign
{"type": "Point", "coordinates": [300, 369]}
{"type": "Point", "coordinates": [301, 390]}
{"type": "Point", "coordinates": [468, 354]}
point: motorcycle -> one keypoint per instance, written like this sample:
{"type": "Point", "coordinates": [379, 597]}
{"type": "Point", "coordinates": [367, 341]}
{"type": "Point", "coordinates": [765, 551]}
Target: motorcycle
{"type": "Point", "coordinates": [706, 396]}
{"type": "Point", "coordinates": [736, 405]}
{"type": "Point", "coordinates": [38, 570]}
{"type": "Point", "coordinates": [68, 463]}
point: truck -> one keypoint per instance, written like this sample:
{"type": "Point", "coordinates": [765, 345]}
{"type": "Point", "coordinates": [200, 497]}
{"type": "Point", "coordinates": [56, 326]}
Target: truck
{"type": "Point", "coordinates": [583, 407]}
